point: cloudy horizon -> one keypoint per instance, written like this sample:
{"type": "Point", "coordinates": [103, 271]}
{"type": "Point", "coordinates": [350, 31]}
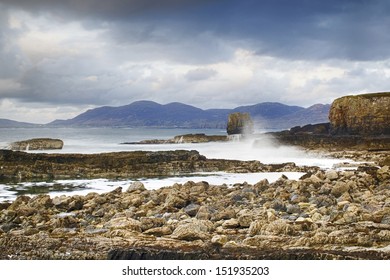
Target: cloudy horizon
{"type": "Point", "coordinates": [59, 58]}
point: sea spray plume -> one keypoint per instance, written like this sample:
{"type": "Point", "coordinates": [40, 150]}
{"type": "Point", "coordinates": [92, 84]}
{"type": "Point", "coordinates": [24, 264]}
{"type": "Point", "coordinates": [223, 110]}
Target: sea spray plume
{"type": "Point", "coordinates": [254, 146]}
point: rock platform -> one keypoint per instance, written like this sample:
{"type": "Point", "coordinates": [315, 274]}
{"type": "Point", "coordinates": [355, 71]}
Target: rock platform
{"type": "Point", "coordinates": [324, 215]}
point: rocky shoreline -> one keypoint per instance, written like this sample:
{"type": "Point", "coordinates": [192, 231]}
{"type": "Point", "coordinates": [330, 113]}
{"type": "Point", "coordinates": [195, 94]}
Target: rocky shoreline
{"type": "Point", "coordinates": [21, 166]}
{"type": "Point", "coordinates": [324, 215]}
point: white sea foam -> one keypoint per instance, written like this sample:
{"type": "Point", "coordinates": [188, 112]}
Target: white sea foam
{"type": "Point", "coordinates": [83, 187]}
{"type": "Point", "coordinates": [99, 140]}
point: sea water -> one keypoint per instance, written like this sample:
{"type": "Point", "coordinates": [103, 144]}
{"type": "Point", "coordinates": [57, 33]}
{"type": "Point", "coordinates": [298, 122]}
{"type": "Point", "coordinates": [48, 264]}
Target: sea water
{"type": "Point", "coordinates": [99, 140]}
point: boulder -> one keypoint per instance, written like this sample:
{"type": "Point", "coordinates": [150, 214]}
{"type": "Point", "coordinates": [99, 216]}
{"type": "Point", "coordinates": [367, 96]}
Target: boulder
{"type": "Point", "coordinates": [136, 187]}
{"type": "Point", "coordinates": [124, 223]}
{"type": "Point", "coordinates": [219, 240]}
{"type": "Point", "coordinates": [339, 188]}
{"type": "Point", "coordinates": [192, 230]}
{"type": "Point", "coordinates": [192, 209]}
{"type": "Point", "coordinates": [331, 174]}
{"type": "Point", "coordinates": [37, 144]}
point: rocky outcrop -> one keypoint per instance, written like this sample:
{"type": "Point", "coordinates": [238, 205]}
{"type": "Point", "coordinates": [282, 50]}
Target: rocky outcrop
{"type": "Point", "coordinates": [37, 144]}
{"type": "Point", "coordinates": [315, 137]}
{"type": "Point", "coordinates": [199, 138]}
{"type": "Point", "coordinates": [185, 138]}
{"type": "Point", "coordinates": [27, 166]}
{"type": "Point", "coordinates": [324, 215]}
{"type": "Point", "coordinates": [239, 123]}
{"type": "Point", "coordinates": [359, 122]}
{"type": "Point", "coordinates": [367, 114]}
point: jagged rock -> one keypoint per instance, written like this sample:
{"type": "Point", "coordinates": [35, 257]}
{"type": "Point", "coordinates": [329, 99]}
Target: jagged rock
{"type": "Point", "coordinates": [245, 220]}
{"type": "Point", "coordinates": [383, 173]}
{"type": "Point", "coordinates": [203, 213]}
{"type": "Point", "coordinates": [219, 240]}
{"type": "Point", "coordinates": [277, 227]}
{"type": "Point", "coordinates": [339, 188]}
{"type": "Point", "coordinates": [192, 209]}
{"type": "Point", "coordinates": [124, 223]}
{"type": "Point", "coordinates": [159, 231]}
{"type": "Point", "coordinates": [151, 222]}
{"type": "Point", "coordinates": [37, 144]}
{"type": "Point", "coordinates": [193, 230]}
{"type": "Point", "coordinates": [232, 223]}
{"type": "Point", "coordinates": [255, 227]}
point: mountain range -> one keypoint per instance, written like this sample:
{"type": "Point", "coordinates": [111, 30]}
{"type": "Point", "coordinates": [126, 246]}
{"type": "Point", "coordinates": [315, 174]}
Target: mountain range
{"type": "Point", "coordinates": [152, 114]}
{"type": "Point", "coordinates": [6, 123]}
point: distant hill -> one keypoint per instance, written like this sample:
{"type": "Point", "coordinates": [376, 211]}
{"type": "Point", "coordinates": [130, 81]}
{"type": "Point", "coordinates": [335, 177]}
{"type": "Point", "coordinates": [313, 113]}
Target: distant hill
{"type": "Point", "coordinates": [5, 123]}
{"type": "Point", "coordinates": [152, 114]}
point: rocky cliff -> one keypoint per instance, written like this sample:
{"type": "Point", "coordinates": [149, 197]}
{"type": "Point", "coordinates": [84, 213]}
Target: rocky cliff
{"type": "Point", "coordinates": [359, 122]}
{"type": "Point", "coordinates": [367, 114]}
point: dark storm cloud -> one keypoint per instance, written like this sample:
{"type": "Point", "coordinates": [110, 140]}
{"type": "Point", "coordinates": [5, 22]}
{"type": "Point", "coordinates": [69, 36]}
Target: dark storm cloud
{"type": "Point", "coordinates": [106, 10]}
{"type": "Point", "coordinates": [301, 29]}
{"type": "Point", "coordinates": [96, 52]}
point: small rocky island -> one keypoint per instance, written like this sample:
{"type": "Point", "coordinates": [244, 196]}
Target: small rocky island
{"type": "Point", "coordinates": [326, 214]}
{"type": "Point", "coordinates": [37, 144]}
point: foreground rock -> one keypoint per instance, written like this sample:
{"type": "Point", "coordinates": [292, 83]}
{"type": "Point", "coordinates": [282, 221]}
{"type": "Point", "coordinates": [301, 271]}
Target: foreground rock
{"type": "Point", "coordinates": [122, 165]}
{"type": "Point", "coordinates": [324, 215]}
{"type": "Point", "coordinates": [37, 144]}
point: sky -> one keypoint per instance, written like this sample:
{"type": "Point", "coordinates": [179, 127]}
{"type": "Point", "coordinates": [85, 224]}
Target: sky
{"type": "Point", "coordinates": [59, 58]}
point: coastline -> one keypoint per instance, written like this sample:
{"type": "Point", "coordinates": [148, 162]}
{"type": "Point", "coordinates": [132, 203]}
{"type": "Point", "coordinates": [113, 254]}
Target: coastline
{"type": "Point", "coordinates": [327, 214]}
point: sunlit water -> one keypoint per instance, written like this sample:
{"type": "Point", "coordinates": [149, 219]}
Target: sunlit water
{"type": "Point", "coordinates": [98, 140]}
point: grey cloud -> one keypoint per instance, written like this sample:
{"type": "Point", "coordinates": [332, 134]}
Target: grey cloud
{"type": "Point", "coordinates": [195, 33]}
{"type": "Point", "coordinates": [11, 58]}
{"type": "Point", "coordinates": [316, 29]}
{"type": "Point", "coordinates": [113, 9]}
{"type": "Point", "coordinates": [200, 74]}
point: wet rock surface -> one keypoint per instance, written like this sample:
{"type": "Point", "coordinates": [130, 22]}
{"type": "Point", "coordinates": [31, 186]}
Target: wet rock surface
{"type": "Point", "coordinates": [324, 215]}
{"type": "Point", "coordinates": [22, 166]}
{"type": "Point", "coordinates": [185, 138]}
